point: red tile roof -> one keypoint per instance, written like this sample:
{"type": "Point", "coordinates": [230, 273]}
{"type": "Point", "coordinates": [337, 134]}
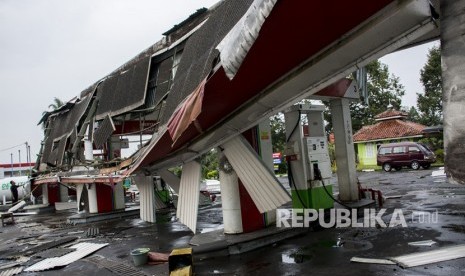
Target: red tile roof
{"type": "Point", "coordinates": [391, 113]}
{"type": "Point", "coordinates": [393, 128]}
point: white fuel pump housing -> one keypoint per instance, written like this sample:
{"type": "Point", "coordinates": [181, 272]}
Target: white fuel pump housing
{"type": "Point", "coordinates": [318, 161]}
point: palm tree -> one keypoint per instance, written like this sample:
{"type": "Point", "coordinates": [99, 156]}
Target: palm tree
{"type": "Point", "coordinates": [57, 103]}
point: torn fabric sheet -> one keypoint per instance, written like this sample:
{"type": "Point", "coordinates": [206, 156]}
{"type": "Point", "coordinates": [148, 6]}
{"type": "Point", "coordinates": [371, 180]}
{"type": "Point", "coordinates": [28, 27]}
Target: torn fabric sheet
{"type": "Point", "coordinates": [187, 113]}
{"type": "Point", "coordinates": [237, 43]}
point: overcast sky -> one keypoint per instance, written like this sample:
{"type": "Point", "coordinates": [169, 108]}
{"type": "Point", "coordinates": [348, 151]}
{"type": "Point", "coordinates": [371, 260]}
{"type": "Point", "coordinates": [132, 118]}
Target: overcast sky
{"type": "Point", "coordinates": [57, 48]}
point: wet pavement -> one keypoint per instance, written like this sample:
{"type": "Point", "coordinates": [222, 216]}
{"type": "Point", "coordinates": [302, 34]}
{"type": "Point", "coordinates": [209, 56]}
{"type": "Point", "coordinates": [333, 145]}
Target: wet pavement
{"type": "Point", "coordinates": [319, 251]}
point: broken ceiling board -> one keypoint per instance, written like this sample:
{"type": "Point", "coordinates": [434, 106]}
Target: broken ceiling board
{"type": "Point", "coordinates": [104, 131]}
{"type": "Point", "coordinates": [163, 81]}
{"type": "Point", "coordinates": [199, 55]}
{"type": "Point", "coordinates": [124, 91]}
{"type": "Point", "coordinates": [63, 124]}
{"type": "Point", "coordinates": [188, 200]}
{"type": "Point", "coordinates": [81, 250]}
{"type": "Point", "coordinates": [171, 179]}
{"type": "Point", "coordinates": [429, 257]}
{"type": "Point", "coordinates": [264, 188]}
{"type": "Point", "coordinates": [48, 245]}
{"type": "Point", "coordinates": [12, 271]}
{"type": "Point", "coordinates": [54, 252]}
{"type": "Point", "coordinates": [371, 261]}
{"type": "Point", "coordinates": [422, 243]}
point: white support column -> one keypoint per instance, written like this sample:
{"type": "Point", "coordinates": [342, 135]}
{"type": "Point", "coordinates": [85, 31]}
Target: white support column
{"type": "Point", "coordinates": [92, 196]}
{"type": "Point", "coordinates": [188, 200]}
{"type": "Point", "coordinates": [453, 87]}
{"type": "Point", "coordinates": [63, 193]}
{"type": "Point", "coordinates": [45, 194]}
{"type": "Point", "coordinates": [118, 196]}
{"type": "Point", "coordinates": [266, 153]}
{"type": "Point", "coordinates": [230, 199]}
{"type": "Point", "coordinates": [345, 153]}
{"type": "Point", "coordinates": [146, 197]}
{"type": "Point", "coordinates": [294, 148]}
{"type": "Point", "coordinates": [79, 189]}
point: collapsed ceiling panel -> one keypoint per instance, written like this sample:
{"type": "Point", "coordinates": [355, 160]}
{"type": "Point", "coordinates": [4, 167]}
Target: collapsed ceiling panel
{"type": "Point", "coordinates": [163, 79]}
{"type": "Point", "coordinates": [58, 149]}
{"type": "Point", "coordinates": [199, 53]}
{"type": "Point", "coordinates": [104, 131]}
{"type": "Point", "coordinates": [123, 91]}
{"type": "Point", "coordinates": [62, 125]}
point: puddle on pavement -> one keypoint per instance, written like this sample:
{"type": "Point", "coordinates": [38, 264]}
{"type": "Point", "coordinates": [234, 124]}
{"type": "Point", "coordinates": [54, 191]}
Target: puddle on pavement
{"type": "Point", "coordinates": [347, 245]}
{"type": "Point", "coordinates": [456, 228]}
{"type": "Point", "coordinates": [296, 257]}
{"type": "Point", "coordinates": [166, 218]}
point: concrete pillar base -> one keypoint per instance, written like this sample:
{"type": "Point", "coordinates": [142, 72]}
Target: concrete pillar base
{"type": "Point", "coordinates": [345, 153]}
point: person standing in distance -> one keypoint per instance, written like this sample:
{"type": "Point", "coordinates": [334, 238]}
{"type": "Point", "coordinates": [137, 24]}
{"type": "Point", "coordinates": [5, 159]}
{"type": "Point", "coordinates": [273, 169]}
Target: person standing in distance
{"type": "Point", "coordinates": [14, 192]}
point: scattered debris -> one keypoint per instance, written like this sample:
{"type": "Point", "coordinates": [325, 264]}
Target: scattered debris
{"type": "Point", "coordinates": [371, 261]}
{"type": "Point", "coordinates": [12, 271]}
{"type": "Point", "coordinates": [422, 243]}
{"type": "Point", "coordinates": [81, 250]}
{"type": "Point", "coordinates": [6, 215]}
{"type": "Point", "coordinates": [92, 232]}
{"type": "Point", "coordinates": [393, 196]}
{"type": "Point", "coordinates": [433, 256]}
{"type": "Point", "coordinates": [18, 206]}
{"type": "Point", "coordinates": [156, 258]}
{"type": "Point", "coordinates": [421, 258]}
{"type": "Point", "coordinates": [54, 252]}
{"type": "Point", "coordinates": [49, 245]}
{"type": "Point", "coordinates": [8, 265]}
{"type": "Point", "coordinates": [75, 232]}
{"type": "Point", "coordinates": [116, 267]}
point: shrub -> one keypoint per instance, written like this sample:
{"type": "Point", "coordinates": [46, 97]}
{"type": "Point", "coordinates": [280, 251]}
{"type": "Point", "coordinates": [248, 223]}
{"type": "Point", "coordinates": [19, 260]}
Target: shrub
{"type": "Point", "coordinates": [439, 155]}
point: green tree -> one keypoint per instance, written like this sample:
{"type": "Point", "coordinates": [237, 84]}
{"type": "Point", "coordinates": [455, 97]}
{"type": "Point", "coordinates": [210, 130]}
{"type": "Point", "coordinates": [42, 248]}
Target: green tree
{"type": "Point", "coordinates": [209, 162]}
{"type": "Point", "coordinates": [278, 132]}
{"type": "Point", "coordinates": [384, 89]}
{"type": "Point", "coordinates": [429, 103]}
{"type": "Point", "coordinates": [413, 115]}
{"type": "Point", "coordinates": [278, 138]}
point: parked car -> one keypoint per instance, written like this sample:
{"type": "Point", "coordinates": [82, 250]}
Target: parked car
{"type": "Point", "coordinates": [404, 154]}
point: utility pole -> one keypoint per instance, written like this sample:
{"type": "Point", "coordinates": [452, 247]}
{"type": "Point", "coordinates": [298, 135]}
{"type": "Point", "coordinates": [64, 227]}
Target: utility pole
{"type": "Point", "coordinates": [11, 172]}
{"type": "Point", "coordinates": [19, 158]}
{"type": "Point", "coordinates": [30, 159]}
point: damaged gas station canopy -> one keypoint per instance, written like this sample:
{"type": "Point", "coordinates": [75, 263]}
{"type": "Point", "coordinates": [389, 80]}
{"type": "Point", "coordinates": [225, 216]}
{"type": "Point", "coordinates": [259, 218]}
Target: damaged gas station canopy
{"type": "Point", "coordinates": [237, 43]}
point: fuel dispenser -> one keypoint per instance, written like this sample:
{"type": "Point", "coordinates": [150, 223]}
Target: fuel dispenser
{"type": "Point", "coordinates": [162, 190]}
{"type": "Point", "coordinates": [307, 155]}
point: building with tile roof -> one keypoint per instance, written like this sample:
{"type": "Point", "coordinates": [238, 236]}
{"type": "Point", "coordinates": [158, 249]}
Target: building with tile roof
{"type": "Point", "coordinates": [391, 126]}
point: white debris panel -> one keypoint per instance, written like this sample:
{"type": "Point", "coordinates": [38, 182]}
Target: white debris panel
{"type": "Point", "coordinates": [265, 190]}
{"type": "Point", "coordinates": [82, 249]}
{"type": "Point", "coordinates": [433, 256]}
{"type": "Point", "coordinates": [188, 200]}
{"type": "Point", "coordinates": [237, 43]}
